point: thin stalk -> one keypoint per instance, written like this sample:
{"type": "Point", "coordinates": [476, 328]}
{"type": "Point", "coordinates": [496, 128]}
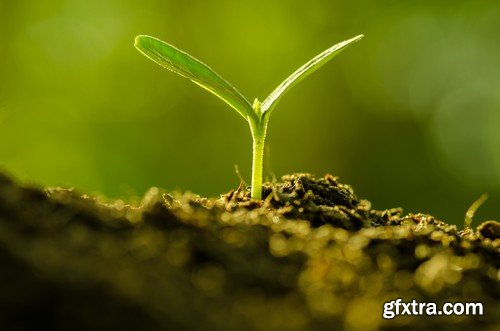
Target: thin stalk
{"type": "Point", "coordinates": [257, 160]}
{"type": "Point", "coordinates": [258, 129]}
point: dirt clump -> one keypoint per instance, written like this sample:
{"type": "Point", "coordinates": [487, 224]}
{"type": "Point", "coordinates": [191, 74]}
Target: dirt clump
{"type": "Point", "coordinates": [309, 256]}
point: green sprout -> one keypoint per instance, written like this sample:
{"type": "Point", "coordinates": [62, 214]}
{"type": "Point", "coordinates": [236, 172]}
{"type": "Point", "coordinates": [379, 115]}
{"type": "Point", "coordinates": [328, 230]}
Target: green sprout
{"type": "Point", "coordinates": [472, 210]}
{"type": "Point", "coordinates": [256, 114]}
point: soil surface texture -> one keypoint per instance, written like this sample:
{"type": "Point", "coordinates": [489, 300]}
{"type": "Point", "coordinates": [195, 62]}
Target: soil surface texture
{"type": "Point", "coordinates": [309, 256]}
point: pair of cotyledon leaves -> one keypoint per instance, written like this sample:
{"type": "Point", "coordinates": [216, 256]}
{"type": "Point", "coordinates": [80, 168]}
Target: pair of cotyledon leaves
{"type": "Point", "coordinates": [189, 67]}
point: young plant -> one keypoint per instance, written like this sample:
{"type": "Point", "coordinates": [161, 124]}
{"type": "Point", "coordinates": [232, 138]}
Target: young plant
{"type": "Point", "coordinates": [256, 114]}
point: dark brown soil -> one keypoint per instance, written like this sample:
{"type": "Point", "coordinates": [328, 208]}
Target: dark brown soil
{"type": "Point", "coordinates": [310, 256]}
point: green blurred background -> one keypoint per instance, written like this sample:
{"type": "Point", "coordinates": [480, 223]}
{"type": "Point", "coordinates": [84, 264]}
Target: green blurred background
{"type": "Point", "coordinates": [409, 116]}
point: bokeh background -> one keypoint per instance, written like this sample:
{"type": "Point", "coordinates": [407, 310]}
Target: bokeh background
{"type": "Point", "coordinates": [410, 116]}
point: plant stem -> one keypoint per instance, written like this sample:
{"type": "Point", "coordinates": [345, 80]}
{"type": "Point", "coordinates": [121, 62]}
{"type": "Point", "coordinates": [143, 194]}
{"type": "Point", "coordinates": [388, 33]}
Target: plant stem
{"type": "Point", "coordinates": [258, 127]}
{"type": "Point", "coordinates": [257, 160]}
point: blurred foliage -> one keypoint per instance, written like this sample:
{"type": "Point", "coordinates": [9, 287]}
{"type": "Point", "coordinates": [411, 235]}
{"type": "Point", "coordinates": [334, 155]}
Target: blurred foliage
{"type": "Point", "coordinates": [409, 116]}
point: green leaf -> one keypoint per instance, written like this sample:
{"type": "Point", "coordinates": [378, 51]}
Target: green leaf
{"type": "Point", "coordinates": [304, 71]}
{"type": "Point", "coordinates": [189, 67]}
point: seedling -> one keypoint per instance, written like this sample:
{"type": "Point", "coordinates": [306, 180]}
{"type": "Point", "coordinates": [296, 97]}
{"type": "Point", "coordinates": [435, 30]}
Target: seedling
{"type": "Point", "coordinates": [256, 114]}
{"type": "Point", "coordinates": [472, 210]}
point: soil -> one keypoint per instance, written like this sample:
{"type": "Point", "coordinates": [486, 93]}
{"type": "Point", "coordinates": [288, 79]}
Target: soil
{"type": "Point", "coordinates": [309, 256]}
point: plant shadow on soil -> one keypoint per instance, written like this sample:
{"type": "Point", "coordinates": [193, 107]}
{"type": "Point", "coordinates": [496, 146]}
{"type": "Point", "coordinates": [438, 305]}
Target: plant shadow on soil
{"type": "Point", "coordinates": [309, 256]}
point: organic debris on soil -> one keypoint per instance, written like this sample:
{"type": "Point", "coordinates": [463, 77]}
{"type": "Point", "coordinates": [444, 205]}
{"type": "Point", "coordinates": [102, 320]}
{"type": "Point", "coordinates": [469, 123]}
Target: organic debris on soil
{"type": "Point", "coordinates": [309, 256]}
